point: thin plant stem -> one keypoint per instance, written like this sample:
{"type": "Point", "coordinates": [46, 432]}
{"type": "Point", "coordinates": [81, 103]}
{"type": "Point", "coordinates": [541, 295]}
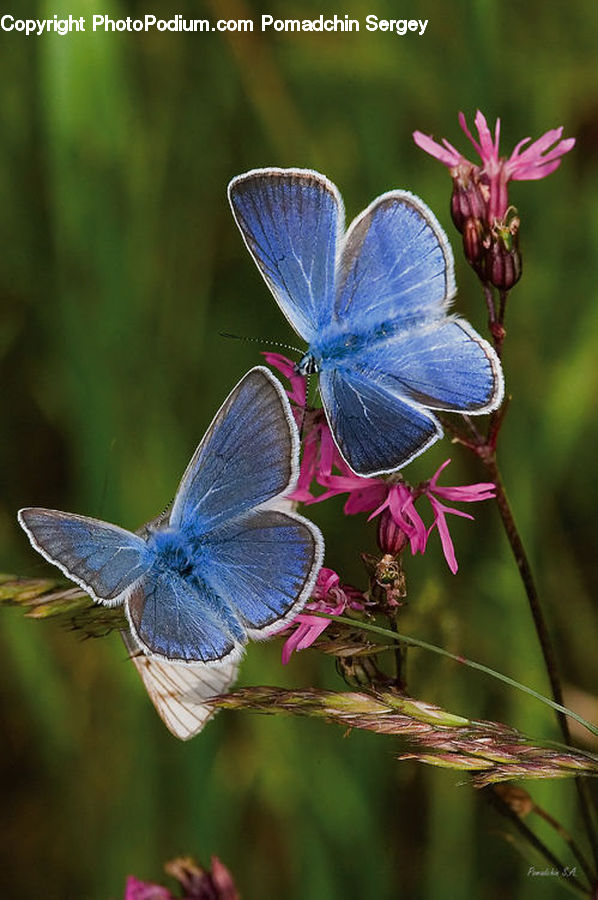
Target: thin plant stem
{"type": "Point", "coordinates": [505, 810]}
{"type": "Point", "coordinates": [564, 834]}
{"type": "Point", "coordinates": [527, 578]}
{"type": "Point", "coordinates": [489, 298]}
{"type": "Point", "coordinates": [463, 660]}
{"type": "Point", "coordinates": [542, 632]}
{"type": "Point", "coordinates": [486, 450]}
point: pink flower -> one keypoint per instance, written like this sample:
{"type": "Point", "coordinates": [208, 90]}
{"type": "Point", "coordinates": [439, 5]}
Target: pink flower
{"type": "Point", "coordinates": [195, 883]}
{"type": "Point", "coordinates": [395, 500]}
{"type": "Point", "coordinates": [141, 890]}
{"type": "Point", "coordinates": [329, 597]}
{"type": "Point", "coordinates": [489, 180]}
{"type": "Point", "coordinates": [471, 493]}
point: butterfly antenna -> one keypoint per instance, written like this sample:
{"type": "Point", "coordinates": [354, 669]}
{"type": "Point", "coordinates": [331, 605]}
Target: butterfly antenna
{"type": "Point", "coordinates": [257, 340]}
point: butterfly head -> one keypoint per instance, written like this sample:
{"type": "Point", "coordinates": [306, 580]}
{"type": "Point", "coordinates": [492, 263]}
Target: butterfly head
{"type": "Point", "coordinates": [307, 365]}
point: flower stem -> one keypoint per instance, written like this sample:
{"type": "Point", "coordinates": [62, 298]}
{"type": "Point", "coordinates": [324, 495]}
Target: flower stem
{"type": "Point", "coordinates": [535, 606]}
{"type": "Point", "coordinates": [505, 810]}
{"type": "Point", "coordinates": [564, 834]}
{"type": "Point", "coordinates": [416, 642]}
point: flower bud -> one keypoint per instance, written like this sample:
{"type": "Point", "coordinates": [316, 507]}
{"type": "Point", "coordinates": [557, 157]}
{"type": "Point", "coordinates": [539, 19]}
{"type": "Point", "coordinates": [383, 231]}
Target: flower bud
{"type": "Point", "coordinates": [472, 240]}
{"type": "Point", "coordinates": [503, 259]}
{"type": "Point", "coordinates": [518, 800]}
{"type": "Point", "coordinates": [391, 539]}
{"type": "Point", "coordinates": [468, 198]}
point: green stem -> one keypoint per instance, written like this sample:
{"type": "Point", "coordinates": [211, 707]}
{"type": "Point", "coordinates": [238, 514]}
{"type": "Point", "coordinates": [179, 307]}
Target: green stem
{"type": "Point", "coordinates": [535, 841]}
{"type": "Point", "coordinates": [416, 642]}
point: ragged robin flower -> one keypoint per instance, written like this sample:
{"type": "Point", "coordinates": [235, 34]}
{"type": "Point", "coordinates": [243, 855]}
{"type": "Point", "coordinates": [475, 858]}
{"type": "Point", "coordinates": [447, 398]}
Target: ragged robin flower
{"type": "Point", "coordinates": [329, 596]}
{"type": "Point", "coordinates": [480, 203]}
{"type": "Point", "coordinates": [394, 501]}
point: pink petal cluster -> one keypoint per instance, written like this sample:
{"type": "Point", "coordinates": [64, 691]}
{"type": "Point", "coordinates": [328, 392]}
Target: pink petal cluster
{"type": "Point", "coordinates": [143, 890]}
{"type": "Point", "coordinates": [396, 500]}
{"type": "Point", "coordinates": [537, 160]}
{"type": "Point", "coordinates": [329, 596]}
{"type": "Point", "coordinates": [195, 883]}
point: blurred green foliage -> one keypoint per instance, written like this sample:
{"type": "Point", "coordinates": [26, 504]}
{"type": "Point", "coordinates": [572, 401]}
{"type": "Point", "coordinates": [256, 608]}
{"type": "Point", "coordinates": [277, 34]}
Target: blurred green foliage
{"type": "Point", "coordinates": [120, 265]}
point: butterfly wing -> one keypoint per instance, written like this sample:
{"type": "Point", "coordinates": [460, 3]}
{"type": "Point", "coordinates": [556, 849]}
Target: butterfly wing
{"type": "Point", "coordinates": [291, 221]}
{"type": "Point", "coordinates": [179, 691]}
{"type": "Point", "coordinates": [182, 620]}
{"type": "Point", "coordinates": [103, 559]}
{"type": "Point", "coordinates": [396, 266]}
{"type": "Point", "coordinates": [248, 456]}
{"type": "Point", "coordinates": [395, 284]}
{"type": "Point", "coordinates": [376, 429]}
{"type": "Point", "coordinates": [267, 562]}
{"type": "Point", "coordinates": [443, 364]}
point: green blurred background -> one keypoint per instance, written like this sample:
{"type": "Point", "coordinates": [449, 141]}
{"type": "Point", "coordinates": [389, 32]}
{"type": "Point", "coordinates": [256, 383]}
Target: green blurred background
{"type": "Point", "coordinates": [120, 265]}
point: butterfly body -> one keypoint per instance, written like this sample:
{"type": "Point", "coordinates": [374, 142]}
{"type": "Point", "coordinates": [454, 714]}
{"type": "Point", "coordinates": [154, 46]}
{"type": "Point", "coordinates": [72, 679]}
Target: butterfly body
{"type": "Point", "coordinates": [372, 304]}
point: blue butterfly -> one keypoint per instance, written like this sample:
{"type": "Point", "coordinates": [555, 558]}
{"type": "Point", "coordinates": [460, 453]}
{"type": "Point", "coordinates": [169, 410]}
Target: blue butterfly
{"type": "Point", "coordinates": [372, 305]}
{"type": "Point", "coordinates": [226, 562]}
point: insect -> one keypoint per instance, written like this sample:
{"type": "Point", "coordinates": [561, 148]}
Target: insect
{"type": "Point", "coordinates": [225, 563]}
{"type": "Point", "coordinates": [372, 305]}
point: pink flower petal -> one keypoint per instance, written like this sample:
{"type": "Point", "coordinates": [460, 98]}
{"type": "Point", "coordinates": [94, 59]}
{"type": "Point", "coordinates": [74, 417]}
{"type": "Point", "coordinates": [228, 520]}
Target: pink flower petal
{"type": "Point", "coordinates": [438, 472]}
{"type": "Point", "coordinates": [329, 455]}
{"type": "Point", "coordinates": [446, 542]}
{"type": "Point", "coordinates": [223, 881]}
{"type": "Point", "coordinates": [329, 597]}
{"type": "Point", "coordinates": [488, 147]}
{"type": "Point", "coordinates": [419, 536]}
{"type": "Point", "coordinates": [470, 493]}
{"type": "Point", "coordinates": [465, 129]}
{"type": "Point", "coordinates": [141, 890]}
{"type": "Point", "coordinates": [450, 157]}
{"type": "Point", "coordinates": [280, 362]}
{"type": "Point", "coordinates": [312, 627]}
{"type": "Point", "coordinates": [292, 642]}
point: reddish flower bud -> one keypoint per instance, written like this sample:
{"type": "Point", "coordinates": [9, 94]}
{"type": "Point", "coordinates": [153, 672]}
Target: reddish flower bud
{"type": "Point", "coordinates": [469, 198]}
{"type": "Point", "coordinates": [391, 538]}
{"type": "Point", "coordinates": [472, 240]}
{"type": "Point", "coordinates": [503, 259]}
{"type": "Point", "coordinates": [503, 267]}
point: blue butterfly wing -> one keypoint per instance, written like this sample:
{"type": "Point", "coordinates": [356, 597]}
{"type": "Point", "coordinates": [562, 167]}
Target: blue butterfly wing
{"type": "Point", "coordinates": [267, 563]}
{"type": "Point", "coordinates": [396, 266]}
{"type": "Point", "coordinates": [395, 283]}
{"type": "Point", "coordinates": [103, 559]}
{"type": "Point", "coordinates": [291, 221]}
{"type": "Point", "coordinates": [248, 456]}
{"type": "Point", "coordinates": [443, 365]}
{"type": "Point", "coordinates": [377, 430]}
{"type": "Point", "coordinates": [180, 620]}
